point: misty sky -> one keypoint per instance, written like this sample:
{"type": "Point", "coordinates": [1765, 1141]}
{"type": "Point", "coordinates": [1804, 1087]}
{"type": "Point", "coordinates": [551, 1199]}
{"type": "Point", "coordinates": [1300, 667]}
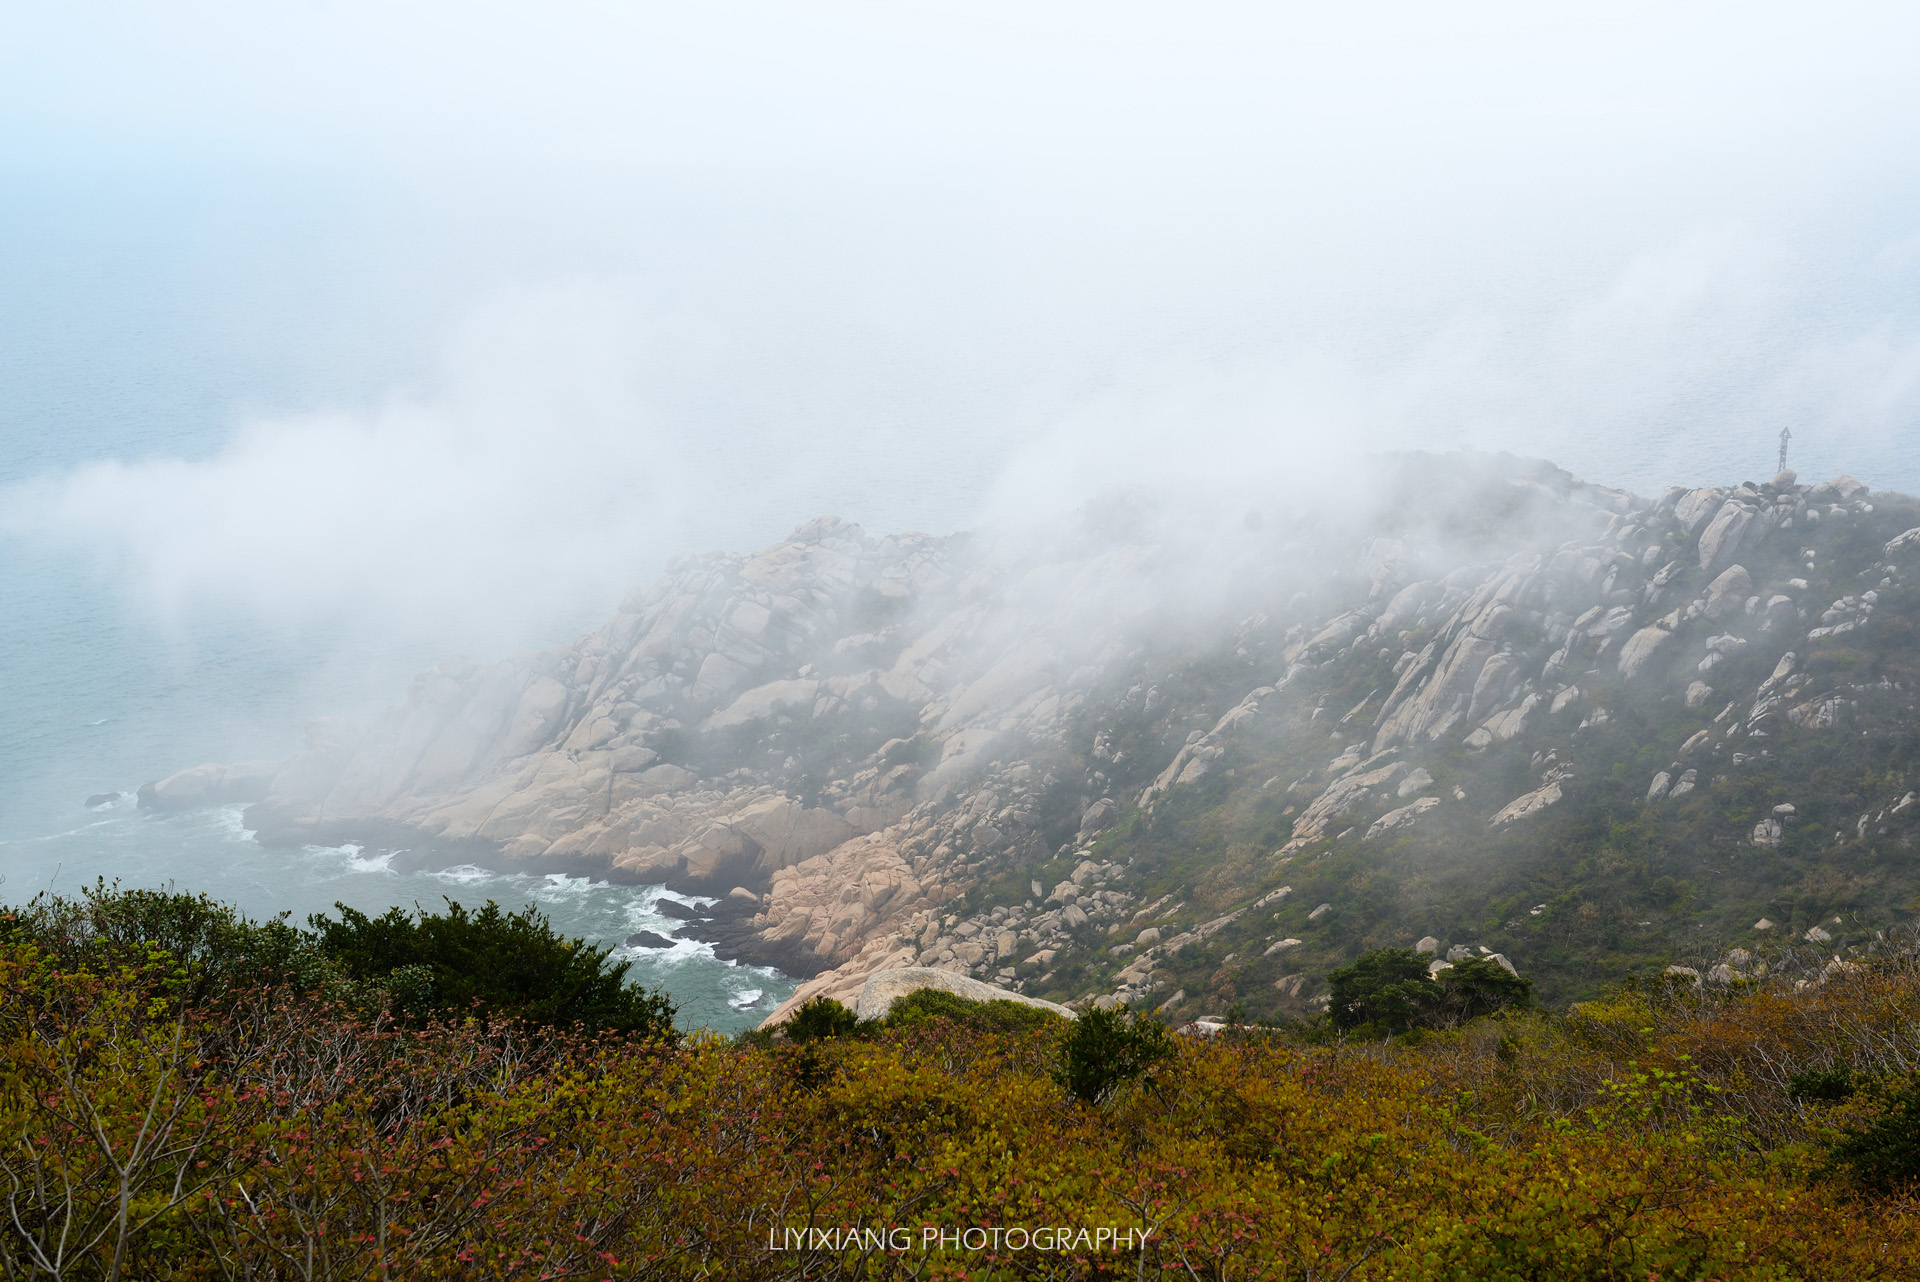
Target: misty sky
{"type": "Point", "coordinates": [469, 316]}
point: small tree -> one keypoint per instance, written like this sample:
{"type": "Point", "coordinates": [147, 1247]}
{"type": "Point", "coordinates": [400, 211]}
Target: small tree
{"type": "Point", "coordinates": [1392, 990]}
{"type": "Point", "coordinates": [501, 963]}
{"type": "Point", "coordinates": [1105, 1049]}
{"type": "Point", "coordinates": [1476, 986]}
{"type": "Point", "coordinates": [1388, 988]}
{"type": "Point", "coordinates": [819, 1019]}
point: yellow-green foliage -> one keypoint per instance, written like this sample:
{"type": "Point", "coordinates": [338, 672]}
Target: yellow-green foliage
{"type": "Point", "coordinates": [1651, 1136]}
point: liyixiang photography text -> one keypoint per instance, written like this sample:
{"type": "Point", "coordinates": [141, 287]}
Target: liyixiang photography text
{"type": "Point", "coordinates": [931, 1238]}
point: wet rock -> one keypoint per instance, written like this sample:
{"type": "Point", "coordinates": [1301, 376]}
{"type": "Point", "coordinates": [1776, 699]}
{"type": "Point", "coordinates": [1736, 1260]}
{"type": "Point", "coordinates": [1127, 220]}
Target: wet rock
{"type": "Point", "coordinates": [647, 939]}
{"type": "Point", "coordinates": [209, 785]}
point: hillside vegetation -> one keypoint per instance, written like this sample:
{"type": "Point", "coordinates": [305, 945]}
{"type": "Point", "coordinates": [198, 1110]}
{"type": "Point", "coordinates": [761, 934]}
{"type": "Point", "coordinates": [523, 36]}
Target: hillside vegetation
{"type": "Point", "coordinates": [163, 1118]}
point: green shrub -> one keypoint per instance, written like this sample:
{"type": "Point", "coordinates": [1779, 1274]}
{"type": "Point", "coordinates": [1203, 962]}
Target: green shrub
{"type": "Point", "coordinates": [1883, 1156]}
{"type": "Point", "coordinates": [1105, 1049]}
{"type": "Point", "coordinates": [925, 1005]}
{"type": "Point", "coordinates": [1822, 1085]}
{"type": "Point", "coordinates": [491, 963]}
{"type": "Point", "coordinates": [218, 948]}
{"type": "Point", "coordinates": [1476, 987]}
{"type": "Point", "coordinates": [819, 1019]}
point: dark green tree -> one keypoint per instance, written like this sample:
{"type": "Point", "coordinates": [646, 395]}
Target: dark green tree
{"type": "Point", "coordinates": [819, 1019]}
{"type": "Point", "coordinates": [1476, 986]}
{"type": "Point", "coordinates": [1105, 1049]}
{"type": "Point", "coordinates": [1387, 988]}
{"type": "Point", "coordinates": [491, 962]}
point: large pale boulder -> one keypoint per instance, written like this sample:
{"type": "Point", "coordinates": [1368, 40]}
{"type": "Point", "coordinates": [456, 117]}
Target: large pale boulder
{"type": "Point", "coordinates": [883, 988]}
{"type": "Point", "coordinates": [1526, 804]}
{"type": "Point", "coordinates": [718, 676]}
{"type": "Point", "coordinates": [1728, 592]}
{"type": "Point", "coordinates": [1725, 533]}
{"type": "Point", "coordinates": [1402, 817]}
{"type": "Point", "coordinates": [1639, 648]}
{"type": "Point", "coordinates": [1901, 542]}
{"type": "Point", "coordinates": [763, 702]}
{"type": "Point", "coordinates": [1695, 507]}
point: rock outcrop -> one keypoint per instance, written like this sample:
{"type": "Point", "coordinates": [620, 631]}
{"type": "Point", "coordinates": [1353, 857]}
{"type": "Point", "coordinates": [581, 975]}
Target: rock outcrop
{"type": "Point", "coordinates": [870, 748]}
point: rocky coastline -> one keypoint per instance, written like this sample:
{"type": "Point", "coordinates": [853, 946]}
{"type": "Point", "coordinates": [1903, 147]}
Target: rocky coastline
{"type": "Point", "coordinates": [862, 747]}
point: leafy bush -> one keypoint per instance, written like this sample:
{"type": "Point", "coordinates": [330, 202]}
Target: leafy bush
{"type": "Point", "coordinates": [492, 962]}
{"type": "Point", "coordinates": [1822, 1085]}
{"type": "Point", "coordinates": [1106, 1049]}
{"type": "Point", "coordinates": [925, 1005]}
{"type": "Point", "coordinates": [1883, 1156]}
{"type": "Point", "coordinates": [216, 948]}
{"type": "Point", "coordinates": [820, 1019]}
{"type": "Point", "coordinates": [1476, 987]}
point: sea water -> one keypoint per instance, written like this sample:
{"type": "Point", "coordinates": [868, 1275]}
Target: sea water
{"type": "Point", "coordinates": [211, 851]}
{"type": "Point", "coordinates": [136, 341]}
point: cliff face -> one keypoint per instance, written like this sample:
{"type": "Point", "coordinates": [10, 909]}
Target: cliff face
{"type": "Point", "coordinates": [1105, 765]}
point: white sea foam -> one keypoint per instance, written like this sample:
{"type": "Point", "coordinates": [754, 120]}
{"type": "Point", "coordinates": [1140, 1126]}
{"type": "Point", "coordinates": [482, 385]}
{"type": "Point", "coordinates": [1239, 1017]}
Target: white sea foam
{"type": "Point", "coordinates": [232, 821]}
{"type": "Point", "coordinates": [558, 886]}
{"type": "Point", "coordinates": [351, 857]}
{"type": "Point", "coordinates": [751, 997]}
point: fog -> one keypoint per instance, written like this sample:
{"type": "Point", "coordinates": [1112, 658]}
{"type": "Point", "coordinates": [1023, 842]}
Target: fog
{"type": "Point", "coordinates": [606, 284]}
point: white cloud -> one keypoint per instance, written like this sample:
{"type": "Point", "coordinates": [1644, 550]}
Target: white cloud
{"type": "Point", "coordinates": [913, 263]}
{"type": "Point", "coordinates": [537, 484]}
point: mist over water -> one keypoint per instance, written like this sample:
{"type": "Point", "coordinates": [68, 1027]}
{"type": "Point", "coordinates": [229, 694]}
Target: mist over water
{"type": "Point", "coordinates": [336, 342]}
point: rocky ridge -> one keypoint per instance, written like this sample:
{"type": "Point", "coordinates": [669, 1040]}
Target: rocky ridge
{"type": "Point", "coordinates": [915, 751]}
